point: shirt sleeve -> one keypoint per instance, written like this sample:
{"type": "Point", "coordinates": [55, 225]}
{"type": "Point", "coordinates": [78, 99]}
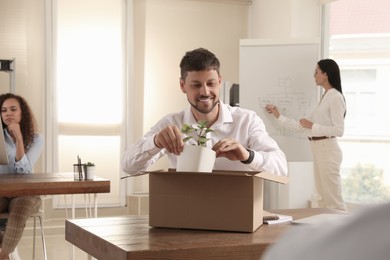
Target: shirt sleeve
{"type": "Point", "coordinates": [139, 156]}
{"type": "Point", "coordinates": [293, 124]}
{"type": "Point", "coordinates": [27, 162]}
{"type": "Point", "coordinates": [290, 123]}
{"type": "Point", "coordinates": [144, 153]}
{"type": "Point", "coordinates": [268, 156]}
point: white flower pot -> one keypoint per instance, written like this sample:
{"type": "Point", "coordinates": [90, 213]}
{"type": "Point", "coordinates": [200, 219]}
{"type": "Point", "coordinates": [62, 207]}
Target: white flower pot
{"type": "Point", "coordinates": [89, 172]}
{"type": "Point", "coordinates": [196, 159]}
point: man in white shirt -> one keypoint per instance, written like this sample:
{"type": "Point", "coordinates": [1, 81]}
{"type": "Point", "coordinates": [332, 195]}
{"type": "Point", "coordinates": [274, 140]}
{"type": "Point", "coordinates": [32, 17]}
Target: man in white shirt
{"type": "Point", "coordinates": [241, 142]}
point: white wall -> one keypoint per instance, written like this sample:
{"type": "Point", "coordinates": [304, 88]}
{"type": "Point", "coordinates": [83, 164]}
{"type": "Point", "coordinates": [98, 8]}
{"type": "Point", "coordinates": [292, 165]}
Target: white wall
{"type": "Point", "coordinates": [278, 19]}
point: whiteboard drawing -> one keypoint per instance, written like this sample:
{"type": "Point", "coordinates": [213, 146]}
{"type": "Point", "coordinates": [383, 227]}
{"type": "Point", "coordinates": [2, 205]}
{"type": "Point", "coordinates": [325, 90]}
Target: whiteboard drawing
{"type": "Point", "coordinates": [280, 74]}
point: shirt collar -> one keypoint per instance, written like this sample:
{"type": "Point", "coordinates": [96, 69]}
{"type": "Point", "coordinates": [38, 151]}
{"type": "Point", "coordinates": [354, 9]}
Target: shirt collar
{"type": "Point", "coordinates": [224, 116]}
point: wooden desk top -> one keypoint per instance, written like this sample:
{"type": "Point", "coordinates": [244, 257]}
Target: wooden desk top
{"type": "Point", "coordinates": [129, 237]}
{"type": "Point", "coordinates": [49, 184]}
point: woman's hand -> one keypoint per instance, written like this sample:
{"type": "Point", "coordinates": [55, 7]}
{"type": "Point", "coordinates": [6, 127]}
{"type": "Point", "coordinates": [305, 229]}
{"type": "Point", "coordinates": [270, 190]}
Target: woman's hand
{"type": "Point", "coordinates": [306, 123]}
{"type": "Point", "coordinates": [272, 110]}
{"type": "Point", "coordinates": [14, 130]}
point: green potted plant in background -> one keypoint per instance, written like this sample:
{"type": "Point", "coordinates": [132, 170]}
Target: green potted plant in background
{"type": "Point", "coordinates": [89, 170]}
{"type": "Point", "coordinates": [196, 157]}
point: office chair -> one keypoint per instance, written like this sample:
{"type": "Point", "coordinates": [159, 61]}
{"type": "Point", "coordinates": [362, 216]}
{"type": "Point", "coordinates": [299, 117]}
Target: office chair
{"type": "Point", "coordinates": [39, 216]}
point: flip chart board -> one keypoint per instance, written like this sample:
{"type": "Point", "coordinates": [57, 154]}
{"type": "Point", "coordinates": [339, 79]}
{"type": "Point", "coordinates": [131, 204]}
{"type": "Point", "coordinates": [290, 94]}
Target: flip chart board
{"type": "Point", "coordinates": [280, 73]}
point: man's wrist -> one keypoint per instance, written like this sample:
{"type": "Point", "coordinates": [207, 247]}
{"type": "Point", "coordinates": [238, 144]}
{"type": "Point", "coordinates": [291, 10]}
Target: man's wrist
{"type": "Point", "coordinates": [250, 158]}
{"type": "Point", "coordinates": [154, 141]}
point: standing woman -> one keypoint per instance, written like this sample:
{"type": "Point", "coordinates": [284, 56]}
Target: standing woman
{"type": "Point", "coordinates": [322, 127]}
{"type": "Point", "coordinates": [24, 146]}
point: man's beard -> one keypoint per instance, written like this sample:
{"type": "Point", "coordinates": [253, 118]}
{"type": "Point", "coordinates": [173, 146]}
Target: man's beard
{"type": "Point", "coordinates": [205, 110]}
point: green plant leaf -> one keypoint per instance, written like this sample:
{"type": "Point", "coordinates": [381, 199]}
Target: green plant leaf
{"type": "Point", "coordinates": [208, 130]}
{"type": "Point", "coordinates": [186, 128]}
{"type": "Point", "coordinates": [203, 139]}
{"type": "Point", "coordinates": [201, 130]}
{"type": "Point", "coordinates": [187, 138]}
{"type": "Point", "coordinates": [202, 124]}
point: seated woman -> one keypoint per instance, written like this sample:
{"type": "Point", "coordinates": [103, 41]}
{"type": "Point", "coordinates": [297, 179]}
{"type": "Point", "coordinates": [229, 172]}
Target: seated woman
{"type": "Point", "coordinates": [24, 146]}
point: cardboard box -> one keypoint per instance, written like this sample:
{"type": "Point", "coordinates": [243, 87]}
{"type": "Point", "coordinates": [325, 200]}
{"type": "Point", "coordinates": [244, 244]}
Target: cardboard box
{"type": "Point", "coordinates": [221, 200]}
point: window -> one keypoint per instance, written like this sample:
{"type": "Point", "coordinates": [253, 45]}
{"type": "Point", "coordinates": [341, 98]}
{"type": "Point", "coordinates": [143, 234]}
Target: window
{"type": "Point", "coordinates": [359, 40]}
{"type": "Point", "coordinates": [88, 116]}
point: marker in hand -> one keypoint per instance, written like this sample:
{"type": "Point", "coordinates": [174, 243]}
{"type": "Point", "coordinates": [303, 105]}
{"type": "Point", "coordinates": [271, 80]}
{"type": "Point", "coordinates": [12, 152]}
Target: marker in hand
{"type": "Point", "coordinates": [272, 110]}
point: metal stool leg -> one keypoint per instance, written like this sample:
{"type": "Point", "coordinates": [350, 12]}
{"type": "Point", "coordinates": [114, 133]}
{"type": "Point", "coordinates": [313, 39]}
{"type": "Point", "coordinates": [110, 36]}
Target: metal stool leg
{"type": "Point", "coordinates": [35, 224]}
{"type": "Point", "coordinates": [42, 237]}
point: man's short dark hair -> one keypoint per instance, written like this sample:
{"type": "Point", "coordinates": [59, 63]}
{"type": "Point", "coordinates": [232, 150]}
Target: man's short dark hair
{"type": "Point", "coordinates": [198, 60]}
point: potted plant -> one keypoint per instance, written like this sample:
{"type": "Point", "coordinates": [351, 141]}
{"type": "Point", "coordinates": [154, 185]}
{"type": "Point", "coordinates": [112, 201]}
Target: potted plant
{"type": "Point", "coordinates": [89, 170]}
{"type": "Point", "coordinates": [196, 157]}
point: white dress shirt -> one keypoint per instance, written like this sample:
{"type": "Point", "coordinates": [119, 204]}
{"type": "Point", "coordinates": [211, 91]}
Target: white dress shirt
{"type": "Point", "coordinates": [233, 122]}
{"type": "Point", "coordinates": [328, 117]}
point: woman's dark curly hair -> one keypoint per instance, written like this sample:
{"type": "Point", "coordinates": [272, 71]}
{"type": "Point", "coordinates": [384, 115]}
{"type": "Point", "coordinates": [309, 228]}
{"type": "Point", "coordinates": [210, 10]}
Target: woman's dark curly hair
{"type": "Point", "coordinates": [28, 125]}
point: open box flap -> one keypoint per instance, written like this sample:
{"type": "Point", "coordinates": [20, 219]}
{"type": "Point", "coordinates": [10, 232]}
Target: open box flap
{"type": "Point", "coordinates": [264, 175]}
{"type": "Point", "coordinates": [272, 177]}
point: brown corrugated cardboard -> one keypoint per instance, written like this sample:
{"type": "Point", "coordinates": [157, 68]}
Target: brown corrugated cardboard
{"type": "Point", "coordinates": [221, 200]}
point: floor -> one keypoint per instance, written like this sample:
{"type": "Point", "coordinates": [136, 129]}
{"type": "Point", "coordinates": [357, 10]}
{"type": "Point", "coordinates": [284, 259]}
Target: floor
{"type": "Point", "coordinates": [57, 247]}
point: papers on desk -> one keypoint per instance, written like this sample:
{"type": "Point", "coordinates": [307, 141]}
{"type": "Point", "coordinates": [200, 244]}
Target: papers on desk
{"type": "Point", "coordinates": [321, 218]}
{"type": "Point", "coordinates": [271, 218]}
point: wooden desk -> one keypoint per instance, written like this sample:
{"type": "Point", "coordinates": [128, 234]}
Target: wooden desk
{"type": "Point", "coordinates": [52, 184]}
{"type": "Point", "coordinates": [49, 184]}
{"type": "Point", "coordinates": [123, 238]}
